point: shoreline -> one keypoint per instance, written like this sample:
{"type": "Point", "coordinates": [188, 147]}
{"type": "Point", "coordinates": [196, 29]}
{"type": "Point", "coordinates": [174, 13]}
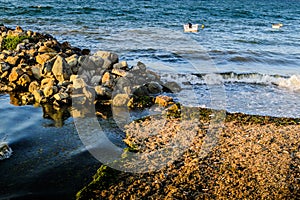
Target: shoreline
{"type": "Point", "coordinates": [255, 157]}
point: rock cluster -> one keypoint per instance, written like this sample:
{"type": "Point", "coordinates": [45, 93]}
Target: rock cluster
{"type": "Point", "coordinates": [47, 71]}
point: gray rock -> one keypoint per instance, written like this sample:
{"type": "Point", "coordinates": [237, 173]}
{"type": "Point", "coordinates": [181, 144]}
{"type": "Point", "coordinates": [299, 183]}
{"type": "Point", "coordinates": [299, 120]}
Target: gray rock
{"type": "Point", "coordinates": [61, 69]}
{"type": "Point", "coordinates": [36, 72]}
{"type": "Point", "coordinates": [120, 100]}
{"type": "Point", "coordinates": [154, 88]}
{"type": "Point", "coordinates": [4, 67]}
{"type": "Point", "coordinates": [79, 83]}
{"type": "Point", "coordinates": [95, 80]}
{"type": "Point", "coordinates": [108, 55]}
{"type": "Point", "coordinates": [107, 64]}
{"type": "Point", "coordinates": [87, 63]}
{"type": "Point", "coordinates": [103, 91]}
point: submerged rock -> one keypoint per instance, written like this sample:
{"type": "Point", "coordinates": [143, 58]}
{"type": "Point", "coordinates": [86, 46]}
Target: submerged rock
{"type": "Point", "coordinates": [5, 151]}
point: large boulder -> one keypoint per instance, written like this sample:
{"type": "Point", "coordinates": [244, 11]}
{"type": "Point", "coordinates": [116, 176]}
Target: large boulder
{"type": "Point", "coordinates": [61, 69]}
{"type": "Point", "coordinates": [108, 55]}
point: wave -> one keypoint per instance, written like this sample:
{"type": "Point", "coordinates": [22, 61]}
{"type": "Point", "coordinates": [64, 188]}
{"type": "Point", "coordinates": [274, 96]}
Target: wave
{"type": "Point", "coordinates": [288, 82]}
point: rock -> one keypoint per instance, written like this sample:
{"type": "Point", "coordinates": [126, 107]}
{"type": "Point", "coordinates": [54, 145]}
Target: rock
{"type": "Point", "coordinates": [19, 29]}
{"type": "Point", "coordinates": [36, 72]}
{"type": "Point", "coordinates": [24, 80]}
{"type": "Point", "coordinates": [140, 90]}
{"type": "Point", "coordinates": [141, 66]}
{"type": "Point", "coordinates": [85, 51]}
{"type": "Point", "coordinates": [103, 91]}
{"type": "Point", "coordinates": [87, 93]}
{"type": "Point", "coordinates": [122, 65]}
{"type": "Point", "coordinates": [34, 85]}
{"type": "Point", "coordinates": [38, 95]}
{"type": "Point", "coordinates": [79, 83]}
{"type": "Point", "coordinates": [87, 63]}
{"type": "Point", "coordinates": [119, 72]}
{"type": "Point", "coordinates": [107, 79]}
{"type": "Point", "coordinates": [172, 87]}
{"type": "Point", "coordinates": [47, 82]}
{"type": "Point", "coordinates": [4, 67]}
{"type": "Point", "coordinates": [61, 69]}
{"type": "Point", "coordinates": [163, 100]}
{"type": "Point", "coordinates": [13, 60]}
{"type": "Point", "coordinates": [154, 88]}
{"type": "Point", "coordinates": [45, 49]}
{"type": "Point", "coordinates": [50, 90]}
{"type": "Point", "coordinates": [42, 58]}
{"type": "Point", "coordinates": [73, 77]}
{"type": "Point", "coordinates": [95, 80]}
{"type": "Point", "coordinates": [16, 72]}
{"type": "Point", "coordinates": [108, 55]}
{"type": "Point", "coordinates": [107, 64]}
{"type": "Point", "coordinates": [61, 96]}
{"type": "Point", "coordinates": [120, 100]}
{"type": "Point", "coordinates": [78, 99]}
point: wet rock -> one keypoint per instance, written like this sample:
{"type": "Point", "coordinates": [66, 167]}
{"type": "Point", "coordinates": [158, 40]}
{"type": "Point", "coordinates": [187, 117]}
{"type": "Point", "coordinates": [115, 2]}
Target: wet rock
{"type": "Point", "coordinates": [172, 87]}
{"type": "Point", "coordinates": [61, 96]}
{"type": "Point", "coordinates": [163, 100]}
{"type": "Point", "coordinates": [107, 79]}
{"type": "Point", "coordinates": [5, 151]}
{"type": "Point", "coordinates": [34, 85]}
{"type": "Point", "coordinates": [47, 82]}
{"type": "Point", "coordinates": [79, 83]}
{"type": "Point", "coordinates": [61, 69]}
{"type": "Point", "coordinates": [154, 88]}
{"type": "Point", "coordinates": [38, 95]}
{"type": "Point", "coordinates": [103, 91]}
{"type": "Point", "coordinates": [113, 58]}
{"type": "Point", "coordinates": [16, 72]}
{"type": "Point", "coordinates": [120, 100]}
{"type": "Point", "coordinates": [50, 90]}
{"type": "Point", "coordinates": [119, 72]}
{"type": "Point", "coordinates": [36, 72]}
{"type": "Point", "coordinates": [140, 90]}
{"type": "Point", "coordinates": [95, 80]}
{"type": "Point", "coordinates": [4, 67]}
{"type": "Point", "coordinates": [24, 80]}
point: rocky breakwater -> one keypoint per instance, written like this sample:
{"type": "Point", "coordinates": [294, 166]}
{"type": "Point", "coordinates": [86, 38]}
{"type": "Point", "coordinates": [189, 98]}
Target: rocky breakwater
{"type": "Point", "coordinates": [42, 70]}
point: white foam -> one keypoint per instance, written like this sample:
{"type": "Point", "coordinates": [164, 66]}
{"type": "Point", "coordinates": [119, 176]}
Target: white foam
{"type": "Point", "coordinates": [292, 83]}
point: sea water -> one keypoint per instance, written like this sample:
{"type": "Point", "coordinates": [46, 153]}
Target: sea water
{"type": "Point", "coordinates": [237, 62]}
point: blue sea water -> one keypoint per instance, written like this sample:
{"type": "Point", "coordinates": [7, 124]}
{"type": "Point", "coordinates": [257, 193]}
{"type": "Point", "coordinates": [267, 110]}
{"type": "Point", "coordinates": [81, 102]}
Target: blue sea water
{"type": "Point", "coordinates": [238, 62]}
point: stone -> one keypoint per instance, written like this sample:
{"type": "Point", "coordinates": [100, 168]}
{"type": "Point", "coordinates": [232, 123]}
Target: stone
{"type": "Point", "coordinates": [50, 90]}
{"type": "Point", "coordinates": [95, 80]}
{"type": "Point", "coordinates": [107, 79]}
{"type": "Point", "coordinates": [154, 88]}
{"type": "Point", "coordinates": [86, 63]}
{"type": "Point", "coordinates": [72, 60]}
{"type": "Point", "coordinates": [141, 66]}
{"type": "Point", "coordinates": [103, 91]}
{"type": "Point", "coordinates": [61, 69]}
{"type": "Point", "coordinates": [172, 87]}
{"type": "Point", "coordinates": [78, 99]}
{"type": "Point", "coordinates": [107, 64]}
{"type": "Point", "coordinates": [36, 72]}
{"type": "Point", "coordinates": [140, 91]}
{"type": "Point", "coordinates": [47, 66]}
{"type": "Point", "coordinates": [121, 65]}
{"type": "Point", "coordinates": [108, 55]}
{"type": "Point", "coordinates": [19, 29]}
{"type": "Point", "coordinates": [119, 72]}
{"type": "Point", "coordinates": [24, 80]}
{"type": "Point", "coordinates": [13, 60]}
{"type": "Point", "coordinates": [38, 95]}
{"type": "Point", "coordinates": [47, 82]}
{"type": "Point", "coordinates": [45, 49]}
{"type": "Point", "coordinates": [16, 72]}
{"type": "Point", "coordinates": [120, 100]}
{"type": "Point", "coordinates": [79, 83]}
{"type": "Point", "coordinates": [34, 85]}
{"type": "Point", "coordinates": [42, 58]}
{"type": "Point", "coordinates": [61, 96]}
{"type": "Point", "coordinates": [163, 100]}
{"type": "Point", "coordinates": [4, 67]}
{"type": "Point", "coordinates": [87, 93]}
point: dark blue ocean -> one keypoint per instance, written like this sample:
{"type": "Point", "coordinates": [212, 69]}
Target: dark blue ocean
{"type": "Point", "coordinates": [237, 62]}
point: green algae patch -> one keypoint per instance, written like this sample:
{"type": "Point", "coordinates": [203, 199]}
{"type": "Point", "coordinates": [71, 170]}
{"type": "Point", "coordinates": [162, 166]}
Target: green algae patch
{"type": "Point", "coordinates": [11, 42]}
{"type": "Point", "coordinates": [104, 177]}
